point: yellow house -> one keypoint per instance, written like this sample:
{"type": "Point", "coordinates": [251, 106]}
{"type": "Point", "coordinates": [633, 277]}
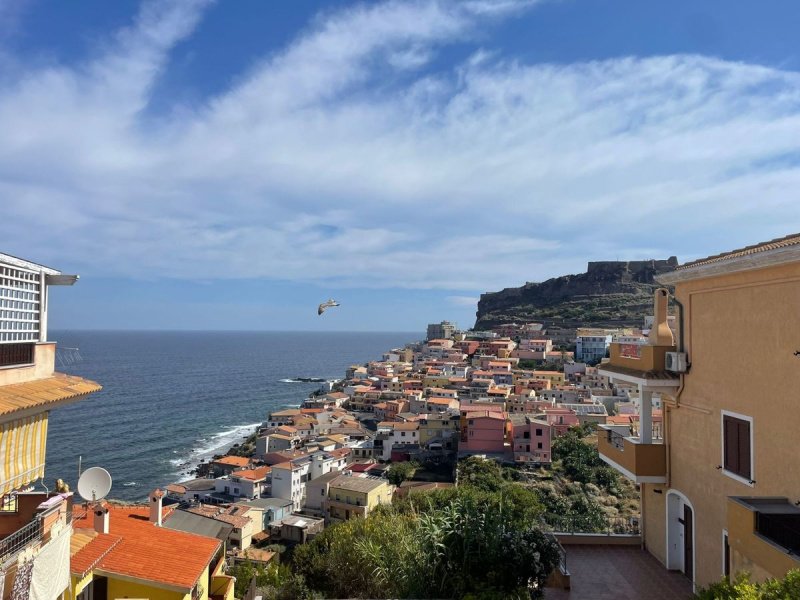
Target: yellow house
{"type": "Point", "coordinates": [35, 526]}
{"type": "Point", "coordinates": [719, 491]}
{"type": "Point", "coordinates": [554, 377]}
{"type": "Point", "coordinates": [350, 496]}
{"type": "Point", "coordinates": [442, 428]}
{"type": "Point", "coordinates": [123, 552]}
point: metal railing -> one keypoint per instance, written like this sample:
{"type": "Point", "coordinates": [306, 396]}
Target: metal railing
{"type": "Point", "coordinates": [615, 439]}
{"type": "Point", "coordinates": [577, 524]}
{"type": "Point", "coordinates": [562, 553]}
{"type": "Point", "coordinates": [29, 535]}
{"type": "Point", "coordinates": [22, 538]}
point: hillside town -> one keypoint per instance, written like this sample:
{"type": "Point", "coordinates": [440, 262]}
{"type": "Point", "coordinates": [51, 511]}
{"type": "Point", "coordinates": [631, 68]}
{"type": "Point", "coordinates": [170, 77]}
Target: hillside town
{"type": "Point", "coordinates": [611, 424]}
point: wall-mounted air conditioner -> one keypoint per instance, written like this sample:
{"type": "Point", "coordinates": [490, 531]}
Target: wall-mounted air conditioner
{"type": "Point", "coordinates": [676, 362]}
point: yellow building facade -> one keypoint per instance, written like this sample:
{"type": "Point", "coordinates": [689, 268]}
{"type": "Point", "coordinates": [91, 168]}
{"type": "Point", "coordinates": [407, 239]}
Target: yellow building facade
{"type": "Point", "coordinates": [350, 497]}
{"type": "Point", "coordinates": [718, 491]}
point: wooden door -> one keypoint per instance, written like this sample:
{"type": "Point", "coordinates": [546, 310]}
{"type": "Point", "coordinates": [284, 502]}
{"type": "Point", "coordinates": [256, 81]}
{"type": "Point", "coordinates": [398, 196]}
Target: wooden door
{"type": "Point", "coordinates": [688, 542]}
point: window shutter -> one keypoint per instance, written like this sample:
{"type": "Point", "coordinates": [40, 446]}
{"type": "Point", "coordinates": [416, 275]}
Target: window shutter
{"type": "Point", "coordinates": [744, 449]}
{"type": "Point", "coordinates": [731, 436]}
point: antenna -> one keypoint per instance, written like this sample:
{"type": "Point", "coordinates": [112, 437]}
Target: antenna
{"type": "Point", "coordinates": [94, 484]}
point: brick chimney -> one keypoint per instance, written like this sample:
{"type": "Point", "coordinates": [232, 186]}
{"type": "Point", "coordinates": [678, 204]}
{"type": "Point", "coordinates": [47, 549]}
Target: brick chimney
{"type": "Point", "coordinates": [101, 519]}
{"type": "Point", "coordinates": [155, 507]}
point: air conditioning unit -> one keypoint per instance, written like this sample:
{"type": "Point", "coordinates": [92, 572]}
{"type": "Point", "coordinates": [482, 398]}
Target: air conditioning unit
{"type": "Point", "coordinates": [676, 362]}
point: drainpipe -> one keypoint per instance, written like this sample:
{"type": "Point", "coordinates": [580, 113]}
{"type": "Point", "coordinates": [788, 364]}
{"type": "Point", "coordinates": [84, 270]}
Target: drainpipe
{"type": "Point", "coordinates": [668, 421]}
{"type": "Point", "coordinates": [681, 347]}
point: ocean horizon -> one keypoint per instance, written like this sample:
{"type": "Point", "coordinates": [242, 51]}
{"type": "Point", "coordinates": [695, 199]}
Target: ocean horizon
{"type": "Point", "coordinates": [172, 399]}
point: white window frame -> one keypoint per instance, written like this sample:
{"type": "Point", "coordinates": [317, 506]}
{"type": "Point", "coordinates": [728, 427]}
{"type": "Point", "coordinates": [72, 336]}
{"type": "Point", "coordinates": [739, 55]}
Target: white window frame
{"type": "Point", "coordinates": [727, 473]}
{"type": "Point", "coordinates": [725, 538]}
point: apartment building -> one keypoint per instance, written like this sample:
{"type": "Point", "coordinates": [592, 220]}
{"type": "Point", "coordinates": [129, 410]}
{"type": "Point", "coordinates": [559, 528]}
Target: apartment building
{"type": "Point", "coordinates": [350, 497]}
{"type": "Point", "coordinates": [530, 439]}
{"type": "Point", "coordinates": [441, 331]}
{"type": "Point", "coordinates": [591, 345]}
{"type": "Point", "coordinates": [35, 524]}
{"type": "Point", "coordinates": [719, 490]}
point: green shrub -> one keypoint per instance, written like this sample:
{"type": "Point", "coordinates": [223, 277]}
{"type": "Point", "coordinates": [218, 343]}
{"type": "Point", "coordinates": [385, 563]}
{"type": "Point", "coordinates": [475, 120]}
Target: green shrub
{"type": "Point", "coordinates": [741, 588]}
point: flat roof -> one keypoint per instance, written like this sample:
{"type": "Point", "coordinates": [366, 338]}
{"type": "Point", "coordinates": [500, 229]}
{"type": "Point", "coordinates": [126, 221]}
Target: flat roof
{"type": "Point", "coordinates": [357, 484]}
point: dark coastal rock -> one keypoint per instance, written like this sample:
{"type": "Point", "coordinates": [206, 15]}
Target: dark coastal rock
{"type": "Point", "coordinates": [609, 294]}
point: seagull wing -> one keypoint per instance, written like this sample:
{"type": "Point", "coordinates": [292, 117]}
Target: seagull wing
{"type": "Point", "coordinates": [321, 309]}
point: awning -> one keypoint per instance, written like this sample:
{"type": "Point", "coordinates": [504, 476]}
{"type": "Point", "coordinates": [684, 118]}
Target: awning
{"type": "Point", "coordinates": [44, 392]}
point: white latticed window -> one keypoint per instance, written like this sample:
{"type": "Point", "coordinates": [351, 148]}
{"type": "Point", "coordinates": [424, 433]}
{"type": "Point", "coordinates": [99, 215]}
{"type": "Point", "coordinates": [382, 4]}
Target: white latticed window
{"type": "Point", "coordinates": [19, 305]}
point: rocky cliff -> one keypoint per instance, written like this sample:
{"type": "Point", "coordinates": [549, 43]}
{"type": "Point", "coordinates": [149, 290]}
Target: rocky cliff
{"type": "Point", "coordinates": [609, 294]}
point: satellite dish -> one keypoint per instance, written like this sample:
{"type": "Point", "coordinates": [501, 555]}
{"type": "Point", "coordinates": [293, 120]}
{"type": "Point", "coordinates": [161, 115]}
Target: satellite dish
{"type": "Point", "coordinates": [94, 484]}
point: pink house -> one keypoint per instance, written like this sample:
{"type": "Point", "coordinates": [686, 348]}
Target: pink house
{"type": "Point", "coordinates": [483, 431]}
{"type": "Point", "coordinates": [530, 439]}
{"type": "Point", "coordinates": [561, 419]}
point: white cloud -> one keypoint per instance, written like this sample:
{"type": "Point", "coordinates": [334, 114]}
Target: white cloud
{"type": "Point", "coordinates": [468, 301]}
{"type": "Point", "coordinates": [312, 167]}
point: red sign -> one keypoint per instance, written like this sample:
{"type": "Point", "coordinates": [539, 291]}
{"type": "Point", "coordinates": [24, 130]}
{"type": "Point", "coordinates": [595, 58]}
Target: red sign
{"type": "Point", "coordinates": [630, 350]}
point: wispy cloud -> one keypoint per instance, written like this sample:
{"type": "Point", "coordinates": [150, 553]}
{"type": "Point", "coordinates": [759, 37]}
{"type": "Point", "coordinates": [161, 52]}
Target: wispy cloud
{"type": "Point", "coordinates": [477, 175]}
{"type": "Point", "coordinates": [464, 301]}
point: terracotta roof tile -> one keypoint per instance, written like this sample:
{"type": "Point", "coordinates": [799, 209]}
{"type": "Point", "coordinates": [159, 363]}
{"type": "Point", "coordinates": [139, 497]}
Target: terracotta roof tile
{"type": "Point", "coordinates": [789, 240]}
{"type": "Point", "coordinates": [234, 461]}
{"type": "Point", "coordinates": [151, 553]}
{"type": "Point", "coordinates": [88, 557]}
{"type": "Point", "coordinates": [44, 392]}
{"type": "Point", "coordinates": [256, 474]}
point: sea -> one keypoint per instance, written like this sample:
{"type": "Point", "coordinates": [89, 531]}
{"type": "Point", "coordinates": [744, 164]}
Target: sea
{"type": "Point", "coordinates": [172, 399]}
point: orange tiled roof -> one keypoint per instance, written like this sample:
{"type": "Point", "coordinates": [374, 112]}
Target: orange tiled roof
{"type": "Point", "coordinates": [253, 474]}
{"type": "Point", "coordinates": [44, 392]}
{"type": "Point", "coordinates": [789, 240]}
{"type": "Point", "coordinates": [151, 553]}
{"type": "Point", "coordinates": [88, 557]}
{"type": "Point", "coordinates": [234, 461]}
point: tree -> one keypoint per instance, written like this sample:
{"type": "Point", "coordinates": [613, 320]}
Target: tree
{"type": "Point", "coordinates": [481, 473]}
{"type": "Point", "coordinates": [400, 471]}
{"type": "Point", "coordinates": [447, 543]}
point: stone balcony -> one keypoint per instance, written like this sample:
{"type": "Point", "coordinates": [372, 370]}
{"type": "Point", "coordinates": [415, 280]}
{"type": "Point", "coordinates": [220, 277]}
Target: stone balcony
{"type": "Point", "coordinates": [639, 460]}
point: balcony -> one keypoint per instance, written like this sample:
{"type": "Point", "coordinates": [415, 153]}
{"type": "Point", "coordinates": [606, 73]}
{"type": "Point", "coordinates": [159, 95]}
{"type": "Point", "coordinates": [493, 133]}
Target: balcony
{"type": "Point", "coordinates": [642, 364]}
{"type": "Point", "coordinates": [343, 511]}
{"type": "Point", "coordinates": [764, 535]}
{"type": "Point", "coordinates": [641, 461]}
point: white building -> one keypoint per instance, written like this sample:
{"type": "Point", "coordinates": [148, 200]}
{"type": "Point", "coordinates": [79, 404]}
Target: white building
{"type": "Point", "coordinates": [592, 346]}
{"type": "Point", "coordinates": [289, 482]}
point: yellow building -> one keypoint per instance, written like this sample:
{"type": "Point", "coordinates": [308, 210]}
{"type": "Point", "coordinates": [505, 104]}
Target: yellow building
{"type": "Point", "coordinates": [442, 429]}
{"type": "Point", "coordinates": [350, 496]}
{"type": "Point", "coordinates": [124, 552]}
{"type": "Point", "coordinates": [35, 523]}
{"type": "Point", "coordinates": [718, 492]}
{"type": "Point", "coordinates": [554, 377]}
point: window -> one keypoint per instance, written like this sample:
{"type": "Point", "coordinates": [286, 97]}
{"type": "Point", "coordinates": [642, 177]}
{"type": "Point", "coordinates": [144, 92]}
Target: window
{"type": "Point", "coordinates": [538, 432]}
{"type": "Point", "coordinates": [8, 504]}
{"type": "Point", "coordinates": [538, 445]}
{"type": "Point", "coordinates": [736, 446]}
{"type": "Point", "coordinates": [526, 435]}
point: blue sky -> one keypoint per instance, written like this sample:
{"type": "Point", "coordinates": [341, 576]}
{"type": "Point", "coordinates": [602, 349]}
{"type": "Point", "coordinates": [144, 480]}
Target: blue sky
{"type": "Point", "coordinates": [230, 164]}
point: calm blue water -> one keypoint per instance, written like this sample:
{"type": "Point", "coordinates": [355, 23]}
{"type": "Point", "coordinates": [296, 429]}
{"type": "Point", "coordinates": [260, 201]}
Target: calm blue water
{"type": "Point", "coordinates": [172, 398]}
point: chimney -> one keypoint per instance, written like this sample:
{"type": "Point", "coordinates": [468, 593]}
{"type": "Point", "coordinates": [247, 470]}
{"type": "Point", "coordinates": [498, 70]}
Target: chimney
{"type": "Point", "coordinates": [661, 334]}
{"type": "Point", "coordinates": [100, 510]}
{"type": "Point", "coordinates": [155, 507]}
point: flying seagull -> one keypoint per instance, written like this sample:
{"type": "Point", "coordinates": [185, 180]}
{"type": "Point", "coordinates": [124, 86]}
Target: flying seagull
{"type": "Point", "coordinates": [326, 305]}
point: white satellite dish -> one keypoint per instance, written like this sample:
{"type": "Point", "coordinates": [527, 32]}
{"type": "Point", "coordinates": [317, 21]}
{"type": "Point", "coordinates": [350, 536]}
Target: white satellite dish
{"type": "Point", "coordinates": [94, 484]}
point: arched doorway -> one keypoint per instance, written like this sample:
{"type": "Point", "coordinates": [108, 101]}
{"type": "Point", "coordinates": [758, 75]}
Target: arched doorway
{"type": "Point", "coordinates": [680, 534]}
